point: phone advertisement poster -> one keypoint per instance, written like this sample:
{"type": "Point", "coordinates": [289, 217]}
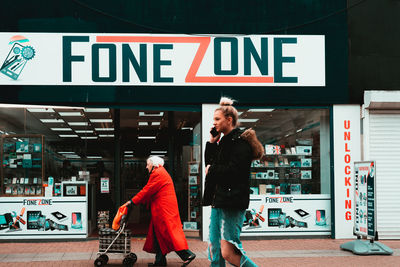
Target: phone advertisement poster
{"type": "Point", "coordinates": [364, 197]}
{"type": "Point", "coordinates": [42, 217]}
{"type": "Point", "coordinates": [278, 214]}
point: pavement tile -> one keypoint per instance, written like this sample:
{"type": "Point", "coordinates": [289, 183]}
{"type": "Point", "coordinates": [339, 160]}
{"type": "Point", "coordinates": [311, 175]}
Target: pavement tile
{"type": "Point", "coordinates": [285, 252]}
{"type": "Point", "coordinates": [48, 256]}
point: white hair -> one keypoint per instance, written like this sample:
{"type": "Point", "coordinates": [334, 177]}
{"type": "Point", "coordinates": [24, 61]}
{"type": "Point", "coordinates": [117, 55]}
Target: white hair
{"type": "Point", "coordinates": [156, 161]}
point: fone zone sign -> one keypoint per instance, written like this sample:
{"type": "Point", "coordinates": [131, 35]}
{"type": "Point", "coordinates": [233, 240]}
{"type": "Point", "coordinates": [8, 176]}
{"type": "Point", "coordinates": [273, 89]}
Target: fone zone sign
{"type": "Point", "coordinates": [159, 60]}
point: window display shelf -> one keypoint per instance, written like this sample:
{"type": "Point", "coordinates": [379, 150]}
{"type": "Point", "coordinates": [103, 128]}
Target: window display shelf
{"type": "Point", "coordinates": [271, 167]}
{"type": "Point", "coordinates": [22, 168]}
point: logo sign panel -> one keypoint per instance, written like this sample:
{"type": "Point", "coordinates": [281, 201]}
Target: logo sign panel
{"type": "Point", "coordinates": [160, 60]}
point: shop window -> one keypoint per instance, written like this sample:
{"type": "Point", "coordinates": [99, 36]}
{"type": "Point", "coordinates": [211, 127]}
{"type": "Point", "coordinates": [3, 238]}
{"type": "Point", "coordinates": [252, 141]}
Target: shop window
{"type": "Point", "coordinates": [297, 157]}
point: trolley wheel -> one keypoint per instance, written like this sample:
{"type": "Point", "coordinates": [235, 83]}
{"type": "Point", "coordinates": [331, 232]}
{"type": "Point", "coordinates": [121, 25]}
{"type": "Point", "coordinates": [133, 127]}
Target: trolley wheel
{"type": "Point", "coordinates": [128, 261]}
{"type": "Point", "coordinates": [98, 262]}
{"type": "Point", "coordinates": [104, 258]}
{"type": "Point", "coordinates": [133, 257]}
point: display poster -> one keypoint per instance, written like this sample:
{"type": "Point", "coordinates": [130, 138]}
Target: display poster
{"type": "Point", "coordinates": [43, 217]}
{"type": "Point", "coordinates": [278, 214]}
{"type": "Point", "coordinates": [70, 59]}
{"type": "Point", "coordinates": [364, 197]}
{"type": "Point", "coordinates": [104, 185]}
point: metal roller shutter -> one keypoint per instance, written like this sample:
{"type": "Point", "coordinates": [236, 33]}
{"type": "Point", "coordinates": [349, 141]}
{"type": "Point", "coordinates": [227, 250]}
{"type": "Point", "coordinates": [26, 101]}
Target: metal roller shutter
{"type": "Point", "coordinates": [384, 148]}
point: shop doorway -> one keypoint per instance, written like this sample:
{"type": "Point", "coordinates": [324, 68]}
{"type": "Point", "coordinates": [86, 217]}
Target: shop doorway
{"type": "Point", "coordinates": [173, 135]}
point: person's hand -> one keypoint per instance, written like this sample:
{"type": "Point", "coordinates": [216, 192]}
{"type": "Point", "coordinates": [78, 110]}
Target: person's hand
{"type": "Point", "coordinates": [214, 139]}
{"type": "Point", "coordinates": [128, 203]}
{"type": "Point", "coordinates": [207, 167]}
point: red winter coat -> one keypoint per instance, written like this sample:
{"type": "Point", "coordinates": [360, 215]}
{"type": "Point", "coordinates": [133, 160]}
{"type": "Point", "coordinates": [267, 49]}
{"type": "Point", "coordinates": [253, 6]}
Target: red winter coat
{"type": "Point", "coordinates": [165, 220]}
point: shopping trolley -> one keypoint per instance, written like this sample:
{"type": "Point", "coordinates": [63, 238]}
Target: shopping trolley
{"type": "Point", "coordinates": [115, 242]}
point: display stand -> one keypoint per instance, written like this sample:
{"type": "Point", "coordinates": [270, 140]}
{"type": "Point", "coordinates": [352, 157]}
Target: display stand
{"type": "Point", "coordinates": [365, 223]}
{"type": "Point", "coordinates": [367, 247]}
{"type": "Point", "coordinates": [22, 168]}
{"type": "Point", "coordinates": [194, 197]}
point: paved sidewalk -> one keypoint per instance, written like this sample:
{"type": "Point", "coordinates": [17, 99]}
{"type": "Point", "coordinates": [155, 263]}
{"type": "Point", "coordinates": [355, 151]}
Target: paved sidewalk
{"type": "Point", "coordinates": [285, 252]}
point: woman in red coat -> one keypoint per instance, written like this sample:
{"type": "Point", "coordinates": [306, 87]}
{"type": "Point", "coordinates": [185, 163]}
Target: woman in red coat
{"type": "Point", "coordinates": [165, 231]}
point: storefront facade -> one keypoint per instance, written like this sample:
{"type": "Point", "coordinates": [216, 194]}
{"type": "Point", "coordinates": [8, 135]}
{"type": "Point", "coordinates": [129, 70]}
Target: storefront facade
{"type": "Point", "coordinates": [288, 76]}
{"type": "Point", "coordinates": [291, 185]}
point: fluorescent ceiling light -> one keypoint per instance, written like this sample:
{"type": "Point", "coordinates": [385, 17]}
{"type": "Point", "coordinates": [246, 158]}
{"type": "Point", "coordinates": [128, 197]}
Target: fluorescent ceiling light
{"type": "Point", "coordinates": [97, 110]}
{"type": "Point", "coordinates": [70, 114]}
{"type": "Point", "coordinates": [187, 128]}
{"type": "Point", "coordinates": [143, 123]}
{"type": "Point", "coordinates": [72, 156]}
{"type": "Point", "coordinates": [146, 137]}
{"type": "Point", "coordinates": [299, 130]}
{"type": "Point", "coordinates": [240, 113]}
{"type": "Point", "coordinates": [94, 157]}
{"type": "Point", "coordinates": [158, 151]}
{"type": "Point", "coordinates": [100, 120]}
{"type": "Point", "coordinates": [65, 152]}
{"type": "Point", "coordinates": [41, 110]}
{"type": "Point", "coordinates": [248, 120]}
{"type": "Point", "coordinates": [128, 156]}
{"type": "Point", "coordinates": [35, 106]}
{"type": "Point", "coordinates": [61, 129]}
{"type": "Point", "coordinates": [158, 114]}
{"type": "Point", "coordinates": [155, 123]}
{"type": "Point", "coordinates": [78, 123]}
{"type": "Point", "coordinates": [106, 135]}
{"type": "Point", "coordinates": [104, 129]}
{"type": "Point", "coordinates": [128, 152]}
{"type": "Point", "coordinates": [68, 135]}
{"type": "Point", "coordinates": [51, 120]}
{"type": "Point", "coordinates": [84, 131]}
{"type": "Point", "coordinates": [261, 110]}
{"type": "Point", "coordinates": [88, 137]}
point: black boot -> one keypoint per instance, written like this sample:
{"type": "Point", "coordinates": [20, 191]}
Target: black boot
{"type": "Point", "coordinates": [186, 255]}
{"type": "Point", "coordinates": [161, 260]}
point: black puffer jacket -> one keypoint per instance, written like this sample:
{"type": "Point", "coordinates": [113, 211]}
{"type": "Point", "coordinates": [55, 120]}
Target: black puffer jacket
{"type": "Point", "coordinates": [227, 183]}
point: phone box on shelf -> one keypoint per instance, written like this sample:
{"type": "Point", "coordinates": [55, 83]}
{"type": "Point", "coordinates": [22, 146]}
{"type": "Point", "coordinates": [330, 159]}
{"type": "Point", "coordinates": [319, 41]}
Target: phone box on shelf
{"type": "Point", "coordinates": [262, 189]}
{"type": "Point", "coordinates": [270, 189]}
{"type": "Point", "coordinates": [272, 150]}
{"type": "Point", "coordinates": [304, 150]}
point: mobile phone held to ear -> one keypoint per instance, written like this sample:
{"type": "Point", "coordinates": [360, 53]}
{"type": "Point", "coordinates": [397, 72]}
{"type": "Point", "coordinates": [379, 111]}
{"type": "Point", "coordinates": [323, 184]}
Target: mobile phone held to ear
{"type": "Point", "coordinates": [214, 132]}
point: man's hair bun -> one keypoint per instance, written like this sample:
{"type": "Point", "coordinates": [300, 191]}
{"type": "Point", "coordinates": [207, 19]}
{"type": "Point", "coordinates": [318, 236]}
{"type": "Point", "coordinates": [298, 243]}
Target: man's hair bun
{"type": "Point", "coordinates": [225, 101]}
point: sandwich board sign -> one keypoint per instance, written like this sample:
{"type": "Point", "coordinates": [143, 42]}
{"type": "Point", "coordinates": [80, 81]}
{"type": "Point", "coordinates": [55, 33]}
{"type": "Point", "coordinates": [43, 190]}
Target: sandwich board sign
{"type": "Point", "coordinates": [365, 212]}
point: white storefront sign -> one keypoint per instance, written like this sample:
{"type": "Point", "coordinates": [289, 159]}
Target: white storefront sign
{"type": "Point", "coordinates": [347, 150]}
{"type": "Point", "coordinates": [154, 59]}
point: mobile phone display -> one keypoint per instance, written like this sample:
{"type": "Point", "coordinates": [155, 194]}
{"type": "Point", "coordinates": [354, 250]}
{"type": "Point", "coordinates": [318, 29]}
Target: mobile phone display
{"type": "Point", "coordinates": [214, 132]}
{"type": "Point", "coordinates": [33, 219]}
{"type": "Point", "coordinates": [76, 222]}
{"type": "Point", "coordinates": [320, 218]}
{"type": "Point", "coordinates": [302, 213]}
{"type": "Point", "coordinates": [59, 216]}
